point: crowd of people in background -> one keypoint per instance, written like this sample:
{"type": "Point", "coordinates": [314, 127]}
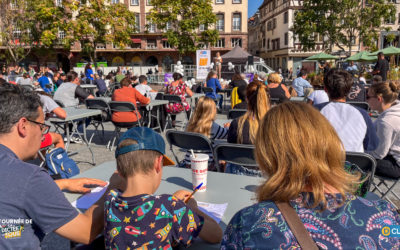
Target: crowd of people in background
{"type": "Point", "coordinates": [300, 147]}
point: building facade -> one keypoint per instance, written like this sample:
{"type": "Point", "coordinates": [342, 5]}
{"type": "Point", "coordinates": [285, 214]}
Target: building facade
{"type": "Point", "coordinates": [150, 48]}
{"type": "Point", "coordinates": [277, 45]}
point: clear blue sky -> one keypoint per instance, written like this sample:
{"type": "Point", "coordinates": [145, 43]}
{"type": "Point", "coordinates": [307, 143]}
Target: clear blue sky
{"type": "Point", "coordinates": [253, 6]}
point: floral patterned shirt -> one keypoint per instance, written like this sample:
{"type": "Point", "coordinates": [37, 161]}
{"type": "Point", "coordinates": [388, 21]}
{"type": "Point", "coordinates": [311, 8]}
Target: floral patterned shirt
{"type": "Point", "coordinates": [355, 225]}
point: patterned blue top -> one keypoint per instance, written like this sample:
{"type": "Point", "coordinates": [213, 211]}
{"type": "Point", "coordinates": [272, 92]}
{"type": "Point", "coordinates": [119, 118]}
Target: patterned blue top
{"type": "Point", "coordinates": [148, 222]}
{"type": "Point", "coordinates": [355, 225]}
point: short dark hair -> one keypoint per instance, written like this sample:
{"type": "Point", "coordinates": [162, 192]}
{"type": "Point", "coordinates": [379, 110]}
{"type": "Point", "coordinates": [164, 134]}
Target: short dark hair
{"type": "Point", "coordinates": [302, 73]}
{"type": "Point", "coordinates": [142, 78]}
{"type": "Point", "coordinates": [241, 91]}
{"type": "Point", "coordinates": [380, 54]}
{"type": "Point", "coordinates": [72, 75]}
{"type": "Point", "coordinates": [16, 102]}
{"type": "Point", "coordinates": [338, 83]}
{"type": "Point", "coordinates": [177, 76]}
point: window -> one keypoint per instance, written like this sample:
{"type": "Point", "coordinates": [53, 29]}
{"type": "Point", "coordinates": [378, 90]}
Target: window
{"type": "Point", "coordinates": [263, 43]}
{"type": "Point", "coordinates": [61, 35]}
{"type": "Point", "coordinates": [236, 22]}
{"type": "Point", "coordinates": [151, 44]}
{"type": "Point", "coordinates": [201, 27]}
{"type": "Point", "coordinates": [268, 44]}
{"type": "Point", "coordinates": [137, 22]}
{"type": "Point", "coordinates": [286, 39]}
{"type": "Point", "coordinates": [273, 23]}
{"type": "Point", "coordinates": [59, 3]}
{"type": "Point", "coordinates": [219, 1]}
{"type": "Point", "coordinates": [151, 27]}
{"type": "Point", "coordinates": [148, 3]}
{"type": "Point", "coordinates": [269, 25]}
{"type": "Point", "coordinates": [390, 20]}
{"type": "Point", "coordinates": [286, 17]}
{"type": "Point", "coordinates": [236, 42]}
{"type": "Point", "coordinates": [220, 43]}
{"type": "Point", "coordinates": [17, 32]}
{"type": "Point", "coordinates": [134, 2]}
{"type": "Point", "coordinates": [236, 1]}
{"type": "Point", "coordinates": [14, 5]}
{"type": "Point", "coordinates": [166, 45]}
{"type": "Point", "coordinates": [168, 26]}
{"type": "Point", "coordinates": [114, 1]}
{"type": "Point", "coordinates": [220, 22]}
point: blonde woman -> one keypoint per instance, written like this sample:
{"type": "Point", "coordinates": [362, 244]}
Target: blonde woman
{"type": "Point", "coordinates": [276, 88]}
{"type": "Point", "coordinates": [243, 130]}
{"type": "Point", "coordinates": [303, 157]}
{"type": "Point", "coordinates": [383, 98]}
{"type": "Point", "coordinates": [202, 122]}
{"type": "Point", "coordinates": [218, 64]}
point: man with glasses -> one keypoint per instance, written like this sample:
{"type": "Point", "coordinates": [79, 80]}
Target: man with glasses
{"type": "Point", "coordinates": [31, 203]}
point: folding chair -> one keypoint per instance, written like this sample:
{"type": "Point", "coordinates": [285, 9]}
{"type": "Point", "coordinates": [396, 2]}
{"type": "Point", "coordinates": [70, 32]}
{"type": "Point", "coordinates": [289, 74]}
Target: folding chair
{"type": "Point", "coordinates": [366, 165]}
{"type": "Point", "coordinates": [363, 105]}
{"type": "Point", "coordinates": [116, 106]}
{"type": "Point", "coordinates": [239, 154]}
{"type": "Point", "coordinates": [187, 140]}
{"type": "Point", "coordinates": [389, 188]}
{"type": "Point", "coordinates": [174, 99]}
{"type": "Point", "coordinates": [101, 104]}
{"type": "Point", "coordinates": [236, 113]}
{"type": "Point", "coordinates": [207, 90]}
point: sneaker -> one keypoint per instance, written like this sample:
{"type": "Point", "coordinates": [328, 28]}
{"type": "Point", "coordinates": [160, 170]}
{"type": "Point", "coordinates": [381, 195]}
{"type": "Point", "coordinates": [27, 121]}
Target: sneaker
{"type": "Point", "coordinates": [76, 140]}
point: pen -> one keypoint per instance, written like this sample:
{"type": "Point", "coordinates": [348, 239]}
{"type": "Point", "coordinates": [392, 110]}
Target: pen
{"type": "Point", "coordinates": [194, 191]}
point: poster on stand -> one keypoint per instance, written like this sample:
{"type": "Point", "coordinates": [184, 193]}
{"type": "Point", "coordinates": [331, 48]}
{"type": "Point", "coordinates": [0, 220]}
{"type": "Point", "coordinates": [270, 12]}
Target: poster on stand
{"type": "Point", "coordinates": [203, 61]}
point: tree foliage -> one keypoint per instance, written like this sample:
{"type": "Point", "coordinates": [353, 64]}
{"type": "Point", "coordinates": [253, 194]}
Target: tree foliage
{"type": "Point", "coordinates": [99, 22]}
{"type": "Point", "coordinates": [341, 22]}
{"type": "Point", "coordinates": [26, 25]}
{"type": "Point", "coordinates": [40, 23]}
{"type": "Point", "coordinates": [184, 18]}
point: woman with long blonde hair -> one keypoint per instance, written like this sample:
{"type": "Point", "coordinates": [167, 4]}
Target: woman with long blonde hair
{"type": "Point", "coordinates": [243, 130]}
{"type": "Point", "coordinates": [303, 157]}
{"type": "Point", "coordinates": [202, 122]}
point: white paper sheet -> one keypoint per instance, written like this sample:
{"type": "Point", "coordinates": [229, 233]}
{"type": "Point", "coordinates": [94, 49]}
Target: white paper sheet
{"type": "Point", "coordinates": [87, 200]}
{"type": "Point", "coordinates": [215, 211]}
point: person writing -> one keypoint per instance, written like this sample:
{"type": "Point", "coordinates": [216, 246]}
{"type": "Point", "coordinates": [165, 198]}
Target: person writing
{"type": "Point", "coordinates": [27, 192]}
{"type": "Point", "coordinates": [300, 152]}
{"type": "Point", "coordinates": [135, 216]}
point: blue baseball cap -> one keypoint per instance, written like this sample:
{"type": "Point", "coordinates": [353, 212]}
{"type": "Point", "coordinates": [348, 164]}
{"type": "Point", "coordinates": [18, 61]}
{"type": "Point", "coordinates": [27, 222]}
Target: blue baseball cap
{"type": "Point", "coordinates": [147, 139]}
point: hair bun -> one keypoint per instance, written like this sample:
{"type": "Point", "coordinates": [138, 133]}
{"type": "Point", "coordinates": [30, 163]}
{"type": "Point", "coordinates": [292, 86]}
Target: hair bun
{"type": "Point", "coordinates": [394, 86]}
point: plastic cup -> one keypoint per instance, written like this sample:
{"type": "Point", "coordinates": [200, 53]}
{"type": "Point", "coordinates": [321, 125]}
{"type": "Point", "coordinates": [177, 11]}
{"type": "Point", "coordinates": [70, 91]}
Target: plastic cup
{"type": "Point", "coordinates": [199, 166]}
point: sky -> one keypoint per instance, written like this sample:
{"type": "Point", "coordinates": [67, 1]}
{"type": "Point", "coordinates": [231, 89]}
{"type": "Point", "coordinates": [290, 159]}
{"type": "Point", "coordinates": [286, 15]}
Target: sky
{"type": "Point", "coordinates": [253, 6]}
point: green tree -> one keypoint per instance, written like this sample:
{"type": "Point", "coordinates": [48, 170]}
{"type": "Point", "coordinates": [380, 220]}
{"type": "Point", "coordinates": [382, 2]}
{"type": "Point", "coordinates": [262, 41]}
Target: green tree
{"type": "Point", "coordinates": [99, 22]}
{"type": "Point", "coordinates": [181, 20]}
{"type": "Point", "coordinates": [25, 25]}
{"type": "Point", "coordinates": [341, 22]}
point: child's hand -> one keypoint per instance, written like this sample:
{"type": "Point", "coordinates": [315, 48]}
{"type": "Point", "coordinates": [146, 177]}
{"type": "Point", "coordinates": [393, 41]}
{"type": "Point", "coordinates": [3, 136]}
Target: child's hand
{"type": "Point", "coordinates": [192, 203]}
{"type": "Point", "coordinates": [182, 194]}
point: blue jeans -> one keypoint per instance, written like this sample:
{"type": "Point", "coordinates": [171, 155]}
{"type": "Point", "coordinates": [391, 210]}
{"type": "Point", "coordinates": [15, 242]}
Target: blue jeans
{"type": "Point", "coordinates": [240, 170]}
{"type": "Point", "coordinates": [220, 99]}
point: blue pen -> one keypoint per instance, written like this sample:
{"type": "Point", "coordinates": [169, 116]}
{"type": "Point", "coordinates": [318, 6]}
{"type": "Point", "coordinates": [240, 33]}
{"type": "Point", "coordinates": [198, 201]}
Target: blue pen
{"type": "Point", "coordinates": [194, 191]}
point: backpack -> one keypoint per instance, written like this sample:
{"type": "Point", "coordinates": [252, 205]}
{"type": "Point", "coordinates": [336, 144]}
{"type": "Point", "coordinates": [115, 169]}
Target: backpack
{"type": "Point", "coordinates": [59, 165]}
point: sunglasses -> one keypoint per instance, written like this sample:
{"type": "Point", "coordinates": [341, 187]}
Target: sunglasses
{"type": "Point", "coordinates": [44, 127]}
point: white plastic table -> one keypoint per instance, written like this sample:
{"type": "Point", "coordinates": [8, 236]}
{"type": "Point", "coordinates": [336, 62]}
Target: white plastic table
{"type": "Point", "coordinates": [236, 190]}
{"type": "Point", "coordinates": [74, 115]}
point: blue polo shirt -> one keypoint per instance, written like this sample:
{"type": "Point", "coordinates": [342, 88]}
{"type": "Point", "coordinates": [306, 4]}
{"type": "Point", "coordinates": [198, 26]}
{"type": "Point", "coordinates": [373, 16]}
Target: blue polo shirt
{"type": "Point", "coordinates": [31, 204]}
{"type": "Point", "coordinates": [215, 85]}
{"type": "Point", "coordinates": [299, 84]}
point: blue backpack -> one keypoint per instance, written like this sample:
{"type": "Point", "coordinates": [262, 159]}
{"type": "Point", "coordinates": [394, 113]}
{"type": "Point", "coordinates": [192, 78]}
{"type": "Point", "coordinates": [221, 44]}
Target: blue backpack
{"type": "Point", "coordinates": [60, 165]}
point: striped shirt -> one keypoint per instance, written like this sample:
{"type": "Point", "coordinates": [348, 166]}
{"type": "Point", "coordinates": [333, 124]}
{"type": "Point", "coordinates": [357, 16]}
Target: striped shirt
{"type": "Point", "coordinates": [217, 132]}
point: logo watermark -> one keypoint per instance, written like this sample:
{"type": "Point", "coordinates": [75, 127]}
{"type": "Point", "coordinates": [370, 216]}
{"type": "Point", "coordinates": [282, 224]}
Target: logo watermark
{"type": "Point", "coordinates": [391, 231]}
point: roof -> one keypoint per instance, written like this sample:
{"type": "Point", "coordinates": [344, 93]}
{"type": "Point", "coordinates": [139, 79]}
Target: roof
{"type": "Point", "coordinates": [237, 52]}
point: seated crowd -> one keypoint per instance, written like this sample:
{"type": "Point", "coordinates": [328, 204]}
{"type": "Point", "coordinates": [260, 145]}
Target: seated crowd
{"type": "Point", "coordinates": [300, 150]}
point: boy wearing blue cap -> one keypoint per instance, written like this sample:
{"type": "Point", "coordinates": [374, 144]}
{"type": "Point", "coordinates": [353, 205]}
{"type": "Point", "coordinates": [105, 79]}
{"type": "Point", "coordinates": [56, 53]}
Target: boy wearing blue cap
{"type": "Point", "coordinates": [135, 218]}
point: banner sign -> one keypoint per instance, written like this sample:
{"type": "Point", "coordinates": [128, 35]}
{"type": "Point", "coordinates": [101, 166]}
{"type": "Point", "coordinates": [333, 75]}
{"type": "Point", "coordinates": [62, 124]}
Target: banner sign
{"type": "Point", "coordinates": [203, 61]}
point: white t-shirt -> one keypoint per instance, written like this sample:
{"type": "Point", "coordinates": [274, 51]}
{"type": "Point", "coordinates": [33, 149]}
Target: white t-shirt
{"type": "Point", "coordinates": [143, 89]}
{"type": "Point", "coordinates": [318, 96]}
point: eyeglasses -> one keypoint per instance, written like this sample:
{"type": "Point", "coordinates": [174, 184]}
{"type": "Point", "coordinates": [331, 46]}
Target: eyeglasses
{"type": "Point", "coordinates": [44, 127]}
